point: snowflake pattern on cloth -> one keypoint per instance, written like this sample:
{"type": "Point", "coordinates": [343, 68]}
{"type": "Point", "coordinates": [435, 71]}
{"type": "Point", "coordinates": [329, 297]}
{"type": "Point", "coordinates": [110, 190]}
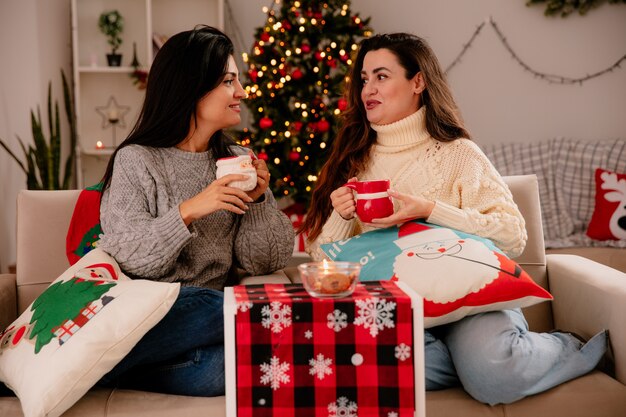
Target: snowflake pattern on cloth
{"type": "Point", "coordinates": [244, 306]}
{"type": "Point", "coordinates": [275, 373]}
{"type": "Point", "coordinates": [337, 320]}
{"type": "Point", "coordinates": [296, 347]}
{"type": "Point", "coordinates": [375, 314]}
{"type": "Point", "coordinates": [343, 407]}
{"type": "Point", "coordinates": [278, 317]}
{"type": "Point", "coordinates": [320, 366]}
{"type": "Point", "coordinates": [403, 352]}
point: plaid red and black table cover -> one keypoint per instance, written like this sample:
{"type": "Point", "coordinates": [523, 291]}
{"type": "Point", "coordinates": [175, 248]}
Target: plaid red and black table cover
{"type": "Point", "coordinates": [296, 355]}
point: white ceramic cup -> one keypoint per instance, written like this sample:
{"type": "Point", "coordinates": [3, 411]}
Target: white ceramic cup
{"type": "Point", "coordinates": [241, 164]}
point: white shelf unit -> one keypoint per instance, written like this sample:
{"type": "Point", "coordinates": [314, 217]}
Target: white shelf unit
{"type": "Point", "coordinates": [95, 83]}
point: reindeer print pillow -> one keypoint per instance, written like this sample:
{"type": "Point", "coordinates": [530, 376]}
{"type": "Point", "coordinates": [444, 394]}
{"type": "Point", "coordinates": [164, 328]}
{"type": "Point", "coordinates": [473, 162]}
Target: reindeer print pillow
{"type": "Point", "coordinates": [76, 331]}
{"type": "Point", "coordinates": [609, 215]}
{"type": "Point", "coordinates": [457, 274]}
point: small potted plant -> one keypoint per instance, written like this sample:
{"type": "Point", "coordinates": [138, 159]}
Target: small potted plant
{"type": "Point", "coordinates": [112, 24]}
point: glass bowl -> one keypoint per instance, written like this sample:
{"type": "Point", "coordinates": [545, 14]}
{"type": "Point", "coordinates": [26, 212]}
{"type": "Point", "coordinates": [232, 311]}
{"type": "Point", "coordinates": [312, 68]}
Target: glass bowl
{"type": "Point", "coordinates": [329, 279]}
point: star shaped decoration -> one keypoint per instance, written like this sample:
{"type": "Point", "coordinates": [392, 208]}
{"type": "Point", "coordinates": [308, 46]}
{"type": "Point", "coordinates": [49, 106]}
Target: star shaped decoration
{"type": "Point", "coordinates": [112, 113]}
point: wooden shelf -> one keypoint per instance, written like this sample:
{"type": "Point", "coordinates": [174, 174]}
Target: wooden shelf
{"type": "Point", "coordinates": [98, 152]}
{"type": "Point", "coordinates": [108, 70]}
{"type": "Point", "coordinates": [95, 82]}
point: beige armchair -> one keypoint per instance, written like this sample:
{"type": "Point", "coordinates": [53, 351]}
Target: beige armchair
{"type": "Point", "coordinates": [588, 297]}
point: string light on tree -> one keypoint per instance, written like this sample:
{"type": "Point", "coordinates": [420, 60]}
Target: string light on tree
{"type": "Point", "coordinates": [296, 71]}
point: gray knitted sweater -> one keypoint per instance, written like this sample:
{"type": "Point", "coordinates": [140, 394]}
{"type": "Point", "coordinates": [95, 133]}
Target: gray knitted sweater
{"type": "Point", "coordinates": [145, 233]}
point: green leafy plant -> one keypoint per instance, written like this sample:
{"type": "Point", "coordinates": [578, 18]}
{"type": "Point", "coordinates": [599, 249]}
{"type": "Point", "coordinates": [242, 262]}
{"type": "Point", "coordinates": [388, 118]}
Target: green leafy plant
{"type": "Point", "coordinates": [566, 7]}
{"type": "Point", "coordinates": [42, 164]}
{"type": "Point", "coordinates": [112, 24]}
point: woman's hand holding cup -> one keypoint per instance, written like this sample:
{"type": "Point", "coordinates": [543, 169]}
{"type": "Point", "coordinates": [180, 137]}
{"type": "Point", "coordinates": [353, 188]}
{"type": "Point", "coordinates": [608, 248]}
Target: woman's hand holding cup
{"type": "Point", "coordinates": [343, 201]}
{"type": "Point", "coordinates": [412, 208]}
{"type": "Point", "coordinates": [217, 196]}
{"type": "Point", "coordinates": [262, 178]}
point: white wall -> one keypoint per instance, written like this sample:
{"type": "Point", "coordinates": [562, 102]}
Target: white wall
{"type": "Point", "coordinates": [499, 100]}
{"type": "Point", "coordinates": [34, 46]}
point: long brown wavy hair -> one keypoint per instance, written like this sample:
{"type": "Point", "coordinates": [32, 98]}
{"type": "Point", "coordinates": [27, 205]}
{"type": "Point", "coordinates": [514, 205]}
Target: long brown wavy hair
{"type": "Point", "coordinates": [350, 151]}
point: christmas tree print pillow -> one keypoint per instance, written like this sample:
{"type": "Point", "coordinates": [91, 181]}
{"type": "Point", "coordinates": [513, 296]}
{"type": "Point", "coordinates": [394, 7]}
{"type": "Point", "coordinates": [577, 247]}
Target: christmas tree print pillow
{"type": "Point", "coordinates": [608, 221]}
{"type": "Point", "coordinates": [457, 274]}
{"type": "Point", "coordinates": [84, 231]}
{"type": "Point", "coordinates": [76, 331]}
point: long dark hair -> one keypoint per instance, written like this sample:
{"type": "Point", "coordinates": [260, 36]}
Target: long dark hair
{"type": "Point", "coordinates": [351, 149]}
{"type": "Point", "coordinates": [186, 68]}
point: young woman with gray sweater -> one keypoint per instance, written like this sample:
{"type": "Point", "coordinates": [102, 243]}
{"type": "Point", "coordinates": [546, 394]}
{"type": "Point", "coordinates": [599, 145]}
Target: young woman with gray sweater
{"type": "Point", "coordinates": [166, 217]}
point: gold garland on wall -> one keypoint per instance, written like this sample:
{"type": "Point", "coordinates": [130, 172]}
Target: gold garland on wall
{"type": "Point", "coordinates": [551, 78]}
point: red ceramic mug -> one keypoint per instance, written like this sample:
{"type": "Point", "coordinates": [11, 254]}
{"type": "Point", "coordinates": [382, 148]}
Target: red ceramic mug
{"type": "Point", "coordinates": [372, 199]}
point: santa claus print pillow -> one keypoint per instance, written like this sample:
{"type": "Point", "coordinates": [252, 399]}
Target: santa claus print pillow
{"type": "Point", "coordinates": [456, 273]}
{"type": "Point", "coordinates": [76, 331]}
{"type": "Point", "coordinates": [608, 221]}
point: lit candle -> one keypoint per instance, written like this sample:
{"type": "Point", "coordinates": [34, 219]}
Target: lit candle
{"type": "Point", "coordinates": [99, 145]}
{"type": "Point", "coordinates": [113, 114]}
{"type": "Point", "coordinates": [331, 281]}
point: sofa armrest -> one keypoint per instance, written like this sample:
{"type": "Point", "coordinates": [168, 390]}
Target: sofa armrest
{"type": "Point", "coordinates": [8, 300]}
{"type": "Point", "coordinates": [278, 277]}
{"type": "Point", "coordinates": [589, 297]}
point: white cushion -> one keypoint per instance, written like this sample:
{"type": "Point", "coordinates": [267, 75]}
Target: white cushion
{"type": "Point", "coordinates": [76, 331]}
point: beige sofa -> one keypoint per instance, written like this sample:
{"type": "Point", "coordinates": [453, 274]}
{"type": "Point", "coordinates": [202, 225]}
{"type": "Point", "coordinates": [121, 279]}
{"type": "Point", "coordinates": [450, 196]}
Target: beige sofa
{"type": "Point", "coordinates": [588, 297]}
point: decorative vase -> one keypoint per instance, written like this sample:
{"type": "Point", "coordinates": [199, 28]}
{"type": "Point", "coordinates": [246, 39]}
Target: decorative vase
{"type": "Point", "coordinates": [135, 64]}
{"type": "Point", "coordinates": [114, 60]}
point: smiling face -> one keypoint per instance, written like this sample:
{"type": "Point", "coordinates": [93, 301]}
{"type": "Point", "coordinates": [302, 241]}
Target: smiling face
{"type": "Point", "coordinates": [388, 96]}
{"type": "Point", "coordinates": [220, 107]}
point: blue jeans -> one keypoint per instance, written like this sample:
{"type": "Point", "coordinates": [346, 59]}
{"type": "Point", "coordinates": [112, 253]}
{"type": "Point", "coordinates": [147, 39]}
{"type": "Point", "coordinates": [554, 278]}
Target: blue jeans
{"type": "Point", "coordinates": [183, 354]}
{"type": "Point", "coordinates": [498, 360]}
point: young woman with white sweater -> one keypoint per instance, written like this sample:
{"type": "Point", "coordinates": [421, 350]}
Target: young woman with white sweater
{"type": "Point", "coordinates": [402, 124]}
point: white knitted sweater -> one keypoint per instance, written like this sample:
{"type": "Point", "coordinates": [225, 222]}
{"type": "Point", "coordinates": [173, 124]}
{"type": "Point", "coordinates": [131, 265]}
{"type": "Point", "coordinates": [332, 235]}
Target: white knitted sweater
{"type": "Point", "coordinates": [469, 193]}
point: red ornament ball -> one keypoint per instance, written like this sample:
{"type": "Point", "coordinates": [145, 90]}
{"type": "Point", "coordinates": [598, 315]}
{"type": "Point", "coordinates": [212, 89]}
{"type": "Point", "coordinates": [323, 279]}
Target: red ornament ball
{"type": "Point", "coordinates": [297, 74]}
{"type": "Point", "coordinates": [265, 36]}
{"type": "Point", "coordinates": [294, 156]}
{"type": "Point", "coordinates": [318, 56]}
{"type": "Point", "coordinates": [323, 126]}
{"type": "Point", "coordinates": [332, 63]}
{"type": "Point", "coordinates": [342, 104]}
{"type": "Point", "coordinates": [265, 123]}
{"type": "Point", "coordinates": [263, 155]}
{"type": "Point", "coordinates": [297, 126]}
{"type": "Point", "coordinates": [306, 48]}
{"type": "Point", "coordinates": [254, 75]}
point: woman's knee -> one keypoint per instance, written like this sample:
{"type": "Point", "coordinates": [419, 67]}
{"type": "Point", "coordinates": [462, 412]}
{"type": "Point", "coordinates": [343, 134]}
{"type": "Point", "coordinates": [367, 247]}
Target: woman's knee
{"type": "Point", "coordinates": [200, 311]}
{"type": "Point", "coordinates": [486, 337]}
{"type": "Point", "coordinates": [488, 352]}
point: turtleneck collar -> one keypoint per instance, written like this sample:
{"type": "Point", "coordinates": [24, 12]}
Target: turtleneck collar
{"type": "Point", "coordinates": [408, 131]}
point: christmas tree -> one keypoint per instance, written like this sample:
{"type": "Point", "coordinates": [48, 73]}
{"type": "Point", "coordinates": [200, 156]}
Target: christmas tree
{"type": "Point", "coordinates": [296, 71]}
